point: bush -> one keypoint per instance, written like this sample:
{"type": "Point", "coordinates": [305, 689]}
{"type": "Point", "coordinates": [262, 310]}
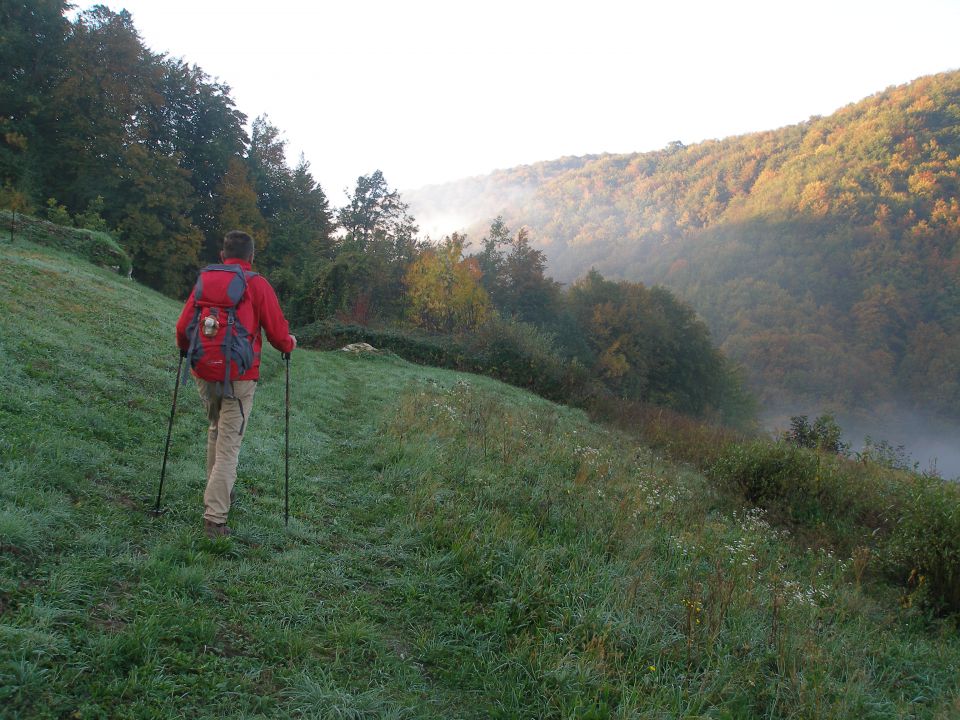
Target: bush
{"type": "Point", "coordinates": [912, 521]}
{"type": "Point", "coordinates": [777, 476]}
{"type": "Point", "coordinates": [525, 356]}
{"type": "Point", "coordinates": [515, 353]}
{"type": "Point", "coordinates": [680, 437]}
{"type": "Point", "coordinates": [924, 549]}
{"type": "Point", "coordinates": [98, 248]}
{"type": "Point", "coordinates": [823, 434]}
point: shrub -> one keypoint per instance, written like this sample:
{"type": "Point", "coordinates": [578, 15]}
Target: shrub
{"type": "Point", "coordinates": [776, 476]}
{"type": "Point", "coordinates": [98, 248]}
{"type": "Point", "coordinates": [515, 353]}
{"type": "Point", "coordinates": [823, 434]}
{"type": "Point", "coordinates": [57, 213]}
{"type": "Point", "coordinates": [525, 356]}
{"type": "Point", "coordinates": [886, 454]}
{"type": "Point", "coordinates": [924, 549]}
{"type": "Point", "coordinates": [680, 437]}
{"type": "Point", "coordinates": [913, 521]}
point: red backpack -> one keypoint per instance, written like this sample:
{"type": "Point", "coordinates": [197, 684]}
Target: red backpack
{"type": "Point", "coordinates": [222, 330]}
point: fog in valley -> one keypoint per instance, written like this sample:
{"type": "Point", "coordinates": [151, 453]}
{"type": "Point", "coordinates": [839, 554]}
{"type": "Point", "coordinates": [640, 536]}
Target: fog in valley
{"type": "Point", "coordinates": [930, 444]}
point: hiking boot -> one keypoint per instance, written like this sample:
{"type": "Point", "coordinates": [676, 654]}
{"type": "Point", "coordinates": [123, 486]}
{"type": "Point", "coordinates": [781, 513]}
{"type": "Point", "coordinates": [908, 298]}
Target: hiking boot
{"type": "Point", "coordinates": [215, 530]}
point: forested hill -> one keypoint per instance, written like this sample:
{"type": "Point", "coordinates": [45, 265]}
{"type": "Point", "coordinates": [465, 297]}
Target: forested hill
{"type": "Point", "coordinates": [824, 256]}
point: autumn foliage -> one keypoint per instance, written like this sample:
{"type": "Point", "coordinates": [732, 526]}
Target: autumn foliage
{"type": "Point", "coordinates": [823, 256]}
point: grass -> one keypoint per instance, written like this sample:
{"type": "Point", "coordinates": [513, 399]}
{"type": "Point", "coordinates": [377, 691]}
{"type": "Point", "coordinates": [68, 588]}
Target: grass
{"type": "Point", "coordinates": [457, 548]}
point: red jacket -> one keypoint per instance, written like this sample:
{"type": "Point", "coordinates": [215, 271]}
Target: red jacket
{"type": "Point", "coordinates": [266, 309]}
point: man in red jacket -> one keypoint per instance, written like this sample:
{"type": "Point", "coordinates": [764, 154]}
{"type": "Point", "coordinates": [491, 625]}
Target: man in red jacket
{"type": "Point", "coordinates": [228, 397]}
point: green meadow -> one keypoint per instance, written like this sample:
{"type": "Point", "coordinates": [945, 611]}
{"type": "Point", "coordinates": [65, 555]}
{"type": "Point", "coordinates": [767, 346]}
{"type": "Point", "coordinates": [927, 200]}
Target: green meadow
{"type": "Point", "coordinates": [457, 548]}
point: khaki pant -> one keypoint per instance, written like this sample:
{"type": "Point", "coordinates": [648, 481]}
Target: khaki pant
{"type": "Point", "coordinates": [228, 419]}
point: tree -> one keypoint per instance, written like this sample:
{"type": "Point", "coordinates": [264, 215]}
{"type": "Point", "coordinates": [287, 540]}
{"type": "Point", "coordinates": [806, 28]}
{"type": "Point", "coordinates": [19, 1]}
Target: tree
{"type": "Point", "coordinates": [378, 225]}
{"type": "Point", "coordinates": [267, 161]}
{"type": "Point", "coordinates": [155, 228]}
{"type": "Point", "coordinates": [237, 207]}
{"type": "Point", "coordinates": [301, 240]}
{"type": "Point", "coordinates": [376, 220]}
{"type": "Point", "coordinates": [649, 346]}
{"type": "Point", "coordinates": [200, 124]}
{"type": "Point", "coordinates": [491, 258]}
{"type": "Point", "coordinates": [303, 230]}
{"type": "Point", "coordinates": [824, 434]}
{"type": "Point", "coordinates": [443, 289]}
{"type": "Point", "coordinates": [528, 294]}
{"type": "Point", "coordinates": [31, 64]}
{"type": "Point", "coordinates": [513, 273]}
{"type": "Point", "coordinates": [101, 107]}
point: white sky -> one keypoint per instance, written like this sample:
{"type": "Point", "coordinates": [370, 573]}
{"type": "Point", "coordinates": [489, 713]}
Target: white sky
{"type": "Point", "coordinates": [430, 91]}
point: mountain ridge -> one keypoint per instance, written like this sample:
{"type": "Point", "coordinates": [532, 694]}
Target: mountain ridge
{"type": "Point", "coordinates": [840, 229]}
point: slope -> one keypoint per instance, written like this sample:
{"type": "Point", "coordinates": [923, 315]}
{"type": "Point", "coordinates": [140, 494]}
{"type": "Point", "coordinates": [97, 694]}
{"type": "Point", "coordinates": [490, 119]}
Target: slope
{"type": "Point", "coordinates": [457, 548]}
{"type": "Point", "coordinates": [823, 256]}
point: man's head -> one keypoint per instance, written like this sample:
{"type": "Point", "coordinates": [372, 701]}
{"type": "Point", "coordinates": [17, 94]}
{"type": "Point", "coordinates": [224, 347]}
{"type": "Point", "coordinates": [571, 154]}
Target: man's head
{"type": "Point", "coordinates": [237, 244]}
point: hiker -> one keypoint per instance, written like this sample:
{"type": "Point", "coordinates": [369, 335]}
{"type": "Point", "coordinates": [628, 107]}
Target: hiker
{"type": "Point", "coordinates": [219, 334]}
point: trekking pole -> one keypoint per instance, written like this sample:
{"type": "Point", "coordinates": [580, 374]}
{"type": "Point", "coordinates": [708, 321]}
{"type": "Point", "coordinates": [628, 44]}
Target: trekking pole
{"type": "Point", "coordinates": [166, 448]}
{"type": "Point", "coordinates": [286, 452]}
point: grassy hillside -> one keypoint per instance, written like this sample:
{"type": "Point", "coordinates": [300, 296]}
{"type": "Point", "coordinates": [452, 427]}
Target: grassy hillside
{"type": "Point", "coordinates": [457, 549]}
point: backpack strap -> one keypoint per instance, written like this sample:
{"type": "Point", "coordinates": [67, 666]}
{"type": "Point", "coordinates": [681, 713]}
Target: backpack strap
{"type": "Point", "coordinates": [193, 329]}
{"type": "Point", "coordinates": [231, 326]}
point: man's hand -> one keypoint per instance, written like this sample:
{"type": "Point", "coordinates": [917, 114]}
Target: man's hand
{"type": "Point", "coordinates": [294, 338]}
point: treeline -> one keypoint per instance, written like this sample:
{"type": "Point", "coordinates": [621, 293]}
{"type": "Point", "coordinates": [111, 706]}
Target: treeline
{"type": "Point", "coordinates": [101, 133]}
{"type": "Point", "coordinates": [617, 338]}
{"type": "Point", "coordinates": [823, 256]}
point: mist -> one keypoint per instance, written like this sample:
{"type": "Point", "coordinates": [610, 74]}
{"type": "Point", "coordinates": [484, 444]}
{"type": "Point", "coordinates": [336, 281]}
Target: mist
{"type": "Point", "coordinates": [931, 442]}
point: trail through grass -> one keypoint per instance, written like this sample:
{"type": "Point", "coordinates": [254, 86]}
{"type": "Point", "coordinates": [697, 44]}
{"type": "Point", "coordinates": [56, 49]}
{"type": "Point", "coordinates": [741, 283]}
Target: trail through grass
{"type": "Point", "coordinates": [456, 549]}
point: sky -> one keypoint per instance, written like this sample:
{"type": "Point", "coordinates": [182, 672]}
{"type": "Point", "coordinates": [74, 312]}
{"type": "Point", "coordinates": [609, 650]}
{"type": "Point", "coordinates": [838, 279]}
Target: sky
{"type": "Point", "coordinates": [430, 91]}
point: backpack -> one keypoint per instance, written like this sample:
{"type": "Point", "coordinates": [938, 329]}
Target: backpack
{"type": "Point", "coordinates": [222, 330]}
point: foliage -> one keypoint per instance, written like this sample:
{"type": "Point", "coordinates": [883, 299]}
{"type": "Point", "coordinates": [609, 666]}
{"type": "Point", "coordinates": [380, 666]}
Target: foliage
{"type": "Point", "coordinates": [778, 475]}
{"type": "Point", "coordinates": [645, 345]}
{"type": "Point", "coordinates": [824, 434]}
{"type": "Point", "coordinates": [123, 138]}
{"type": "Point", "coordinates": [14, 200]}
{"type": "Point", "coordinates": [924, 550]}
{"type": "Point", "coordinates": [443, 290]}
{"type": "Point", "coordinates": [909, 522]}
{"type": "Point", "coordinates": [154, 149]}
{"type": "Point", "coordinates": [885, 454]}
{"type": "Point", "coordinates": [822, 256]}
{"type": "Point", "coordinates": [378, 225]}
{"type": "Point", "coordinates": [513, 272]}
{"type": "Point", "coordinates": [98, 248]}
{"type": "Point", "coordinates": [57, 213]}
{"type": "Point", "coordinates": [237, 205]}
{"type": "Point", "coordinates": [516, 353]}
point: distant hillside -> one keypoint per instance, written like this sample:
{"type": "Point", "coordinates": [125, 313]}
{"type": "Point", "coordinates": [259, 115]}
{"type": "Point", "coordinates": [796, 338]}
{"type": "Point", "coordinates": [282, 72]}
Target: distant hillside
{"type": "Point", "coordinates": [824, 256]}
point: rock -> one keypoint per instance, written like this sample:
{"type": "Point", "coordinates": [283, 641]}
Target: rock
{"type": "Point", "coordinates": [360, 347]}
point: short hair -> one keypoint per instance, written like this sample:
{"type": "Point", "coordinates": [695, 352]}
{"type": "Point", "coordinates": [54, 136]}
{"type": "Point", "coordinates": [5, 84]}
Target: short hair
{"type": "Point", "coordinates": [237, 244]}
